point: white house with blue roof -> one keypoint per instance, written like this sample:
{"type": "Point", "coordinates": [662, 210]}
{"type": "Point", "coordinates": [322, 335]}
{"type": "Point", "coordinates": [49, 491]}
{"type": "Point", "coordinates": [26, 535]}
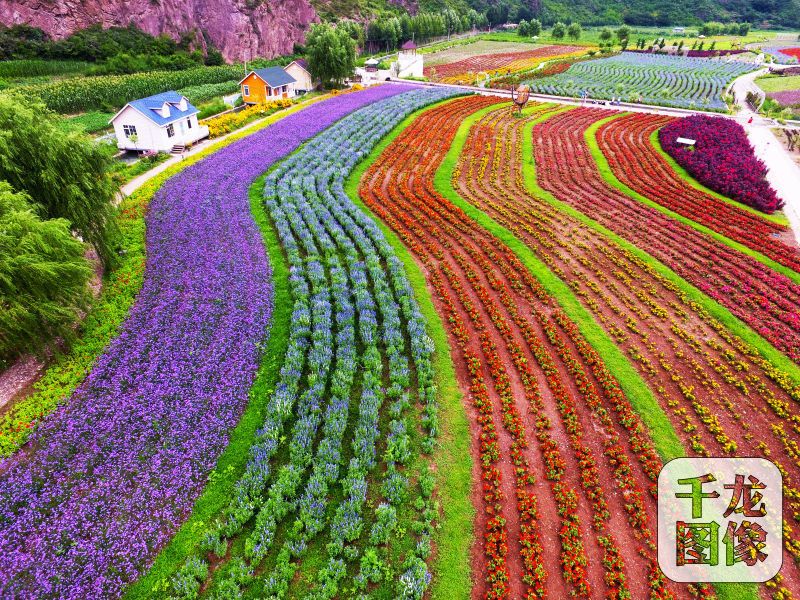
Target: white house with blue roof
{"type": "Point", "coordinates": [164, 122]}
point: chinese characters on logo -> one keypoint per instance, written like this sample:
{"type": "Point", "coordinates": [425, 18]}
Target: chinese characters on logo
{"type": "Point", "coordinates": [720, 519]}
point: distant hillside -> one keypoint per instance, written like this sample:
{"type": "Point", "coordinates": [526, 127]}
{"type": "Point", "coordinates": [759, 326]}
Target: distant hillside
{"type": "Point", "coordinates": [784, 13]}
{"type": "Point", "coordinates": [240, 29]}
{"type": "Point", "coordinates": [243, 29]}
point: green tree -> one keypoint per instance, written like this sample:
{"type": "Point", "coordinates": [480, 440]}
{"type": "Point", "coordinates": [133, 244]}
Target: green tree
{"type": "Point", "coordinates": [744, 28]}
{"type": "Point", "coordinates": [214, 58]}
{"type": "Point", "coordinates": [605, 34]}
{"type": "Point", "coordinates": [559, 30]}
{"type": "Point", "coordinates": [63, 172]}
{"type": "Point", "coordinates": [523, 29]}
{"type": "Point", "coordinates": [331, 54]}
{"type": "Point", "coordinates": [535, 27]}
{"type": "Point", "coordinates": [623, 33]}
{"type": "Point", "coordinates": [43, 277]}
{"type": "Point", "coordinates": [574, 31]}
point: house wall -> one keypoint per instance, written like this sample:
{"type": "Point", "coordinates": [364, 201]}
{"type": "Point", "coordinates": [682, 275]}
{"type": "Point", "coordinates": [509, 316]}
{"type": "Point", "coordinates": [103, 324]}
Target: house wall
{"type": "Point", "coordinates": [410, 64]}
{"type": "Point", "coordinates": [257, 89]}
{"type": "Point", "coordinates": [302, 76]}
{"type": "Point", "coordinates": [152, 137]}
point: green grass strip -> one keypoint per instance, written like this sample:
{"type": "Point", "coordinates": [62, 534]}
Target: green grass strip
{"type": "Point", "coordinates": [667, 442]}
{"type": "Point", "coordinates": [665, 439]}
{"type": "Point", "coordinates": [608, 176]}
{"type": "Point", "coordinates": [776, 217]}
{"type": "Point", "coordinates": [726, 591]}
{"type": "Point", "coordinates": [451, 566]}
{"type": "Point", "coordinates": [232, 462]}
{"type": "Point", "coordinates": [735, 325]}
{"type": "Point", "coordinates": [712, 307]}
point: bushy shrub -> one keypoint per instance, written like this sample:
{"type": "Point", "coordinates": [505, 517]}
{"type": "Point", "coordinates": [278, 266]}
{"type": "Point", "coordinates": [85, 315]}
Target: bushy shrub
{"type": "Point", "coordinates": [63, 172]}
{"type": "Point", "coordinates": [722, 159]}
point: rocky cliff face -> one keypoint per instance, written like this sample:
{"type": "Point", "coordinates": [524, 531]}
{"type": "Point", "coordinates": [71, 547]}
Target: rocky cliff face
{"type": "Point", "coordinates": [241, 29]}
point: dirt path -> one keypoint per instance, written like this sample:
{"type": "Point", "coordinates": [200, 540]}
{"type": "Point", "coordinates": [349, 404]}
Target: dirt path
{"type": "Point", "coordinates": [499, 314]}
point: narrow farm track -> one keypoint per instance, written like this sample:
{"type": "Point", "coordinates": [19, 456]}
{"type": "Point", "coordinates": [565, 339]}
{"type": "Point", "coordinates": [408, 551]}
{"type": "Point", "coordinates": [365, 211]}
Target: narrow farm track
{"type": "Point", "coordinates": [721, 398]}
{"type": "Point", "coordinates": [626, 144]}
{"type": "Point", "coordinates": [106, 481]}
{"type": "Point", "coordinates": [553, 429]}
{"type": "Point", "coordinates": [768, 301]}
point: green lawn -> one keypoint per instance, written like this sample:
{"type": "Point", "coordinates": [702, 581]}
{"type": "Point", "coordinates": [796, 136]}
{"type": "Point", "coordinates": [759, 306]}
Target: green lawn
{"type": "Point", "coordinates": [776, 83]}
{"type": "Point", "coordinates": [90, 122]}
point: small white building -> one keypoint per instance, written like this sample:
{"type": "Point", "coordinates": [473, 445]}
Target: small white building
{"type": "Point", "coordinates": [158, 123]}
{"type": "Point", "coordinates": [298, 69]}
{"type": "Point", "coordinates": [370, 74]}
{"type": "Point", "coordinates": [409, 62]}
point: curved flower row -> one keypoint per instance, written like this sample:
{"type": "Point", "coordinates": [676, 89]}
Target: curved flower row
{"type": "Point", "coordinates": [111, 475]}
{"type": "Point", "coordinates": [353, 312]}
{"type": "Point", "coordinates": [722, 159]}
{"type": "Point", "coordinates": [716, 389]}
{"type": "Point", "coordinates": [507, 62]}
{"type": "Point", "coordinates": [625, 142]}
{"type": "Point", "coordinates": [527, 382]}
{"type": "Point", "coordinates": [649, 78]}
{"type": "Point", "coordinates": [768, 301]}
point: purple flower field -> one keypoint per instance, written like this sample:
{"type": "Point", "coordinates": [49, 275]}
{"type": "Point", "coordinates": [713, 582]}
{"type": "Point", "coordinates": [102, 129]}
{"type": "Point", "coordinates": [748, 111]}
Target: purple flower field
{"type": "Point", "coordinates": [787, 98]}
{"type": "Point", "coordinates": [107, 479]}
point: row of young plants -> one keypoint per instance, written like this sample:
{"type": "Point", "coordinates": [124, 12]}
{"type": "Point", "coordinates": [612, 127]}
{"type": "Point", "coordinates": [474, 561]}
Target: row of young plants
{"type": "Point", "coordinates": [690, 359]}
{"type": "Point", "coordinates": [649, 78]}
{"type": "Point", "coordinates": [487, 296]}
{"type": "Point", "coordinates": [135, 442]}
{"type": "Point", "coordinates": [76, 94]}
{"type": "Point", "coordinates": [627, 144]}
{"type": "Point", "coordinates": [763, 298]}
{"type": "Point", "coordinates": [358, 359]}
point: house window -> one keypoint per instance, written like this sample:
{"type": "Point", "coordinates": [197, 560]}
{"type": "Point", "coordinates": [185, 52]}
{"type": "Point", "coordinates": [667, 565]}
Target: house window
{"type": "Point", "coordinates": [246, 90]}
{"type": "Point", "coordinates": [129, 130]}
{"type": "Point", "coordinates": [170, 130]}
{"type": "Point", "coordinates": [189, 122]}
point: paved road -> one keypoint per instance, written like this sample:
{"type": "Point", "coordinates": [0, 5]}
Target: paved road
{"type": "Point", "coordinates": [784, 172]}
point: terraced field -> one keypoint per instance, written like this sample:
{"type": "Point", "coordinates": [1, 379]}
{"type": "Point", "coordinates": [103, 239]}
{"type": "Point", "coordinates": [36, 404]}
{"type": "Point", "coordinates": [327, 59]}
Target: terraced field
{"type": "Point", "coordinates": [648, 78]}
{"type": "Point", "coordinates": [407, 343]}
{"type": "Point", "coordinates": [464, 71]}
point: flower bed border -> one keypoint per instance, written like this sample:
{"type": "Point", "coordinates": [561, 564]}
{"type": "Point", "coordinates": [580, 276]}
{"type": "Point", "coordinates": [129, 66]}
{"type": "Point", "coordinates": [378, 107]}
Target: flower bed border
{"type": "Point", "coordinates": [451, 564]}
{"type": "Point", "coordinates": [608, 176]}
